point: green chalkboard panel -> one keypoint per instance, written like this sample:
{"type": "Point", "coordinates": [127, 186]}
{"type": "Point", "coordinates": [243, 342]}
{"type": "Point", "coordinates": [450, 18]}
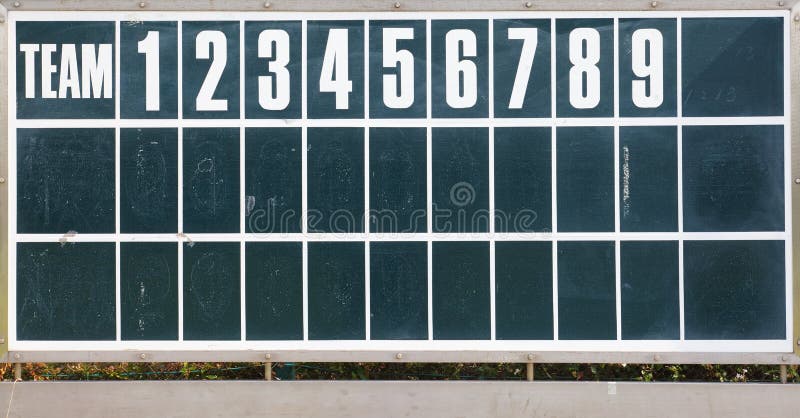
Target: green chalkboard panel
{"type": "Point", "coordinates": [522, 180]}
{"type": "Point", "coordinates": [211, 180]}
{"type": "Point", "coordinates": [649, 287]}
{"type": "Point", "coordinates": [461, 290]}
{"type": "Point", "coordinates": [211, 285]}
{"type": "Point", "coordinates": [733, 178]}
{"type": "Point", "coordinates": [398, 290]}
{"type": "Point", "coordinates": [508, 52]}
{"type": "Point", "coordinates": [322, 102]}
{"type": "Point", "coordinates": [648, 178]}
{"type": "Point", "coordinates": [460, 160]}
{"type": "Point", "coordinates": [378, 71]}
{"type": "Point", "coordinates": [398, 173]}
{"type": "Point", "coordinates": [734, 290]}
{"type": "Point", "coordinates": [476, 55]}
{"type": "Point", "coordinates": [273, 180]}
{"type": "Point", "coordinates": [335, 180]}
{"type": "Point", "coordinates": [524, 290]}
{"type": "Point", "coordinates": [65, 291]}
{"type": "Point", "coordinates": [274, 290]}
{"type": "Point", "coordinates": [668, 40]}
{"type": "Point", "coordinates": [65, 181]}
{"type": "Point", "coordinates": [133, 70]}
{"type": "Point", "coordinates": [585, 179]}
{"type": "Point", "coordinates": [264, 66]}
{"type": "Point", "coordinates": [149, 290]}
{"type": "Point", "coordinates": [336, 291]}
{"type": "Point", "coordinates": [148, 180]}
{"type": "Point", "coordinates": [586, 290]}
{"type": "Point", "coordinates": [732, 66]}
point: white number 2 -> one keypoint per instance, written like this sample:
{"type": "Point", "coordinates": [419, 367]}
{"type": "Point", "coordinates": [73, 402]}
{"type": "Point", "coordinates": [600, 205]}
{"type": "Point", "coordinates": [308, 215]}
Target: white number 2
{"type": "Point", "coordinates": [205, 40]}
{"type": "Point", "coordinates": [530, 38]}
{"type": "Point", "coordinates": [405, 63]}
{"type": "Point", "coordinates": [149, 47]}
{"type": "Point", "coordinates": [456, 68]}
{"type": "Point", "coordinates": [654, 70]}
{"type": "Point", "coordinates": [584, 65]}
{"type": "Point", "coordinates": [336, 56]}
{"type": "Point", "coordinates": [279, 99]}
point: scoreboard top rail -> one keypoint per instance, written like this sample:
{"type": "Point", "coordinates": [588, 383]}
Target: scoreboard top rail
{"type": "Point", "coordinates": [434, 90]}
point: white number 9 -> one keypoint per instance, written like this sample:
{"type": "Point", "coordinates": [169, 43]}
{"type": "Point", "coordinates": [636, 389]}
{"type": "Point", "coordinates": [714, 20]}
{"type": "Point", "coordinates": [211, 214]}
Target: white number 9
{"type": "Point", "coordinates": [647, 66]}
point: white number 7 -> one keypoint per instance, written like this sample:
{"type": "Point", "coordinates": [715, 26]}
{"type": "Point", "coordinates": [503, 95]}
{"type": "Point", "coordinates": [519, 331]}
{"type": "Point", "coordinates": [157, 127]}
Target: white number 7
{"type": "Point", "coordinates": [530, 37]}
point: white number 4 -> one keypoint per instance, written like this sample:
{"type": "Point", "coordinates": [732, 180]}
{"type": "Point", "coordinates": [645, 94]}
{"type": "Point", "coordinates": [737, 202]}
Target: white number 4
{"type": "Point", "coordinates": [336, 57]}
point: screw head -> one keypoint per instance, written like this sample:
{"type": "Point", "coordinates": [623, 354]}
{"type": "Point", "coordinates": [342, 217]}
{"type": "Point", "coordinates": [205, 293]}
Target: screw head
{"type": "Point", "coordinates": [398, 356]}
{"type": "Point", "coordinates": [397, 5]}
{"type": "Point", "coordinates": [142, 356]}
{"type": "Point", "coordinates": [17, 4]}
{"type": "Point", "coordinates": [2, 179]}
{"type": "Point", "coordinates": [17, 356]}
{"type": "Point", "coordinates": [797, 18]}
{"type": "Point", "coordinates": [268, 356]}
{"type": "Point", "coordinates": [531, 356]}
{"type": "Point", "coordinates": [654, 4]}
{"type": "Point", "coordinates": [528, 4]}
{"type": "Point", "coordinates": [781, 4]}
{"type": "Point", "coordinates": [142, 4]}
{"type": "Point", "coordinates": [797, 180]}
{"type": "Point", "coordinates": [267, 5]}
{"type": "Point", "coordinates": [784, 358]}
{"type": "Point", "coordinates": [657, 357]}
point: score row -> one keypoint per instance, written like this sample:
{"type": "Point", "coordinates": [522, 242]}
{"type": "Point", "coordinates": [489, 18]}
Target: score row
{"type": "Point", "coordinates": [66, 69]}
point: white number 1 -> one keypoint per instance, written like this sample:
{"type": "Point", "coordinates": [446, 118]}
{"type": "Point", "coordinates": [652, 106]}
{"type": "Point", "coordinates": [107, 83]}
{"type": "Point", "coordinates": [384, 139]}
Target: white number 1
{"type": "Point", "coordinates": [149, 47]}
{"type": "Point", "coordinates": [336, 56]}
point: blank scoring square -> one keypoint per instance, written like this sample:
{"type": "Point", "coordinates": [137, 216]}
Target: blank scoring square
{"type": "Point", "coordinates": [149, 180]}
{"type": "Point", "coordinates": [735, 290]}
{"type": "Point", "coordinates": [335, 180]}
{"type": "Point", "coordinates": [65, 291]}
{"type": "Point", "coordinates": [149, 290]}
{"type": "Point", "coordinates": [733, 178]}
{"type": "Point", "coordinates": [65, 181]}
{"type": "Point", "coordinates": [585, 179]}
{"type": "Point", "coordinates": [460, 183]}
{"type": "Point", "coordinates": [398, 290]}
{"type": "Point", "coordinates": [648, 178]}
{"type": "Point", "coordinates": [211, 281]}
{"type": "Point", "coordinates": [524, 290]}
{"type": "Point", "coordinates": [397, 181]}
{"type": "Point", "coordinates": [336, 299]}
{"type": "Point", "coordinates": [649, 287]}
{"type": "Point", "coordinates": [523, 180]}
{"type": "Point", "coordinates": [586, 290]}
{"type": "Point", "coordinates": [732, 66]}
{"type": "Point", "coordinates": [461, 291]}
{"type": "Point", "coordinates": [274, 290]}
{"type": "Point", "coordinates": [211, 180]}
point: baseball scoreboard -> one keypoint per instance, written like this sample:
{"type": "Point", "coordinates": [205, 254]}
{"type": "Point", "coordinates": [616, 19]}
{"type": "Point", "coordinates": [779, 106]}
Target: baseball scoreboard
{"type": "Point", "coordinates": [576, 181]}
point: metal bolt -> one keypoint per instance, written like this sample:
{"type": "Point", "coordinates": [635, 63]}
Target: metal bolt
{"type": "Point", "coordinates": [2, 20]}
{"type": "Point", "coordinates": [268, 356]}
{"type": "Point", "coordinates": [2, 180]}
{"type": "Point", "coordinates": [797, 180]}
{"type": "Point", "coordinates": [528, 4]}
{"type": "Point", "coordinates": [781, 4]}
{"type": "Point", "coordinates": [397, 5]}
{"type": "Point", "coordinates": [531, 356]}
{"type": "Point", "coordinates": [16, 4]}
{"type": "Point", "coordinates": [267, 5]}
{"type": "Point", "coordinates": [2, 340]}
{"type": "Point", "coordinates": [142, 4]}
{"type": "Point", "coordinates": [654, 4]}
{"type": "Point", "coordinates": [398, 356]}
{"type": "Point", "coordinates": [143, 356]}
{"type": "Point", "coordinates": [656, 357]}
{"type": "Point", "coordinates": [17, 356]}
{"type": "Point", "coordinates": [784, 358]}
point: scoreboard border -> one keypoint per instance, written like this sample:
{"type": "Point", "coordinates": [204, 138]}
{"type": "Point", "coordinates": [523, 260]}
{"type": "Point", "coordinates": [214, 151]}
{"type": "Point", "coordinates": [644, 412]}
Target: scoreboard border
{"type": "Point", "coordinates": [330, 352]}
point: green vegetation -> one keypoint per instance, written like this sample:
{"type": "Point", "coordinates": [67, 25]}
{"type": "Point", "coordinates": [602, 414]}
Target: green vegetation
{"type": "Point", "coordinates": [401, 371]}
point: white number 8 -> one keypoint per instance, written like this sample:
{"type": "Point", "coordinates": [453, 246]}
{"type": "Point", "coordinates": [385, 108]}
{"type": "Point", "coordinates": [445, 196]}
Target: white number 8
{"type": "Point", "coordinates": [584, 64]}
